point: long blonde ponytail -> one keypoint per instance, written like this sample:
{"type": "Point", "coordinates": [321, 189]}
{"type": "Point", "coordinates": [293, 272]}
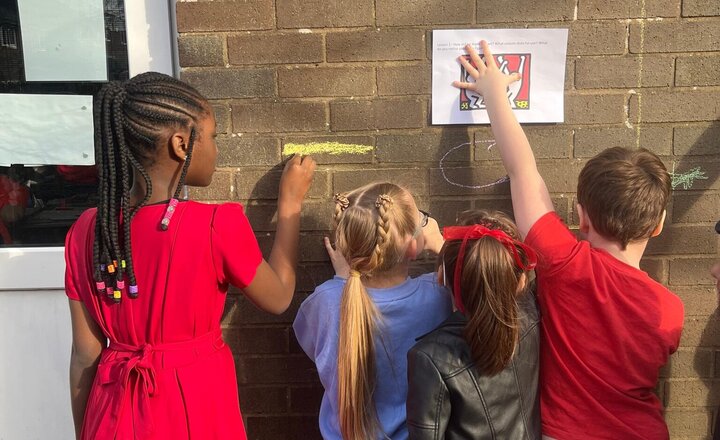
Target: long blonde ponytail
{"type": "Point", "coordinates": [356, 361]}
{"type": "Point", "coordinates": [372, 223]}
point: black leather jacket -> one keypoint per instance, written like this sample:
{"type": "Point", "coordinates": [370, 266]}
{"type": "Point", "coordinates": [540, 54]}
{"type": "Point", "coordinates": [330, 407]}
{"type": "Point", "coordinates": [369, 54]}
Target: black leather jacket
{"type": "Point", "coordinates": [448, 399]}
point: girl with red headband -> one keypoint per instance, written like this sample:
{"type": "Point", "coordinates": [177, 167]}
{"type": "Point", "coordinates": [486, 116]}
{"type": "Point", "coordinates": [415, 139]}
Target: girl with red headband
{"type": "Point", "coordinates": [476, 375]}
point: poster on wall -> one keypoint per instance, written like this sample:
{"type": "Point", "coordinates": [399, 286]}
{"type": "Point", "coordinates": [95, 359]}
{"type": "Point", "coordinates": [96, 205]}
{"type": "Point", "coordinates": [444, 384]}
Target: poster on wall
{"type": "Point", "coordinates": [537, 54]}
{"type": "Point", "coordinates": [63, 40]}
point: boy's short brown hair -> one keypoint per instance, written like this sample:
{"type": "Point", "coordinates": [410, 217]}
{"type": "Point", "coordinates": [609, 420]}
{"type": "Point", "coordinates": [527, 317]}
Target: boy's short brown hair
{"type": "Point", "coordinates": [624, 193]}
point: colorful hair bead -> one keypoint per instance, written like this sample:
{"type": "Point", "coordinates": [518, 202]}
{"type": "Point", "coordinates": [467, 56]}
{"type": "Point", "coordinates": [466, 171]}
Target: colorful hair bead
{"type": "Point", "coordinates": [133, 291]}
{"type": "Point", "coordinates": [110, 268]}
{"type": "Point", "coordinates": [165, 222]}
{"type": "Point", "coordinates": [120, 285]}
{"type": "Point", "coordinates": [122, 264]}
{"type": "Point", "coordinates": [100, 285]}
{"type": "Point", "coordinates": [115, 263]}
{"type": "Point", "coordinates": [109, 291]}
{"type": "Point", "coordinates": [102, 267]}
{"type": "Point", "coordinates": [117, 295]}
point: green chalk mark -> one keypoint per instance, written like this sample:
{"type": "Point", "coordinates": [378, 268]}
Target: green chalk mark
{"type": "Point", "coordinates": [333, 148]}
{"type": "Point", "coordinates": [687, 179]}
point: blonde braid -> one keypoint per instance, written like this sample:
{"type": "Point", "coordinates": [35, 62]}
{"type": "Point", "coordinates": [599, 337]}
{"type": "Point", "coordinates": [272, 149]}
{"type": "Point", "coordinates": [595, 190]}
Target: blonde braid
{"type": "Point", "coordinates": [384, 205]}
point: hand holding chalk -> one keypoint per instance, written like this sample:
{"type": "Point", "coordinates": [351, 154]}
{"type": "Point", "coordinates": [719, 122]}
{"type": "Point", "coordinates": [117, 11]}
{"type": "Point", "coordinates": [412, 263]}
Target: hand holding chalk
{"type": "Point", "coordinates": [296, 180]}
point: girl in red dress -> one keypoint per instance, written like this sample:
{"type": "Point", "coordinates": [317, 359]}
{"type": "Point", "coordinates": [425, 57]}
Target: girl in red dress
{"type": "Point", "coordinates": [147, 273]}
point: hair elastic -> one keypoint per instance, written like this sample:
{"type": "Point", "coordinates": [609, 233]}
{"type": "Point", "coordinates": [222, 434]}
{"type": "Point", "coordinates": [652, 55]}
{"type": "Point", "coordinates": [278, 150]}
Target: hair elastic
{"type": "Point", "coordinates": [475, 232]}
{"type": "Point", "coordinates": [354, 274]}
{"type": "Point", "coordinates": [342, 200]}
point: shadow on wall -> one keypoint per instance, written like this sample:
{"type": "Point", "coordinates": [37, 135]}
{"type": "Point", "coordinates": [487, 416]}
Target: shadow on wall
{"type": "Point", "coordinates": [707, 144]}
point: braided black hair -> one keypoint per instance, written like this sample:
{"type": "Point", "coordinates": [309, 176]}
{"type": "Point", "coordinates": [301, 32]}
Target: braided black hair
{"type": "Point", "coordinates": [129, 119]}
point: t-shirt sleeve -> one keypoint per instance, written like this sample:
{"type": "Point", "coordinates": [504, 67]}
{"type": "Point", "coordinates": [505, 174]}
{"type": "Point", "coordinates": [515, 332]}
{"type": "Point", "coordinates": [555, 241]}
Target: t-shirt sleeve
{"type": "Point", "coordinates": [552, 240]}
{"type": "Point", "coordinates": [236, 253]}
{"type": "Point", "coordinates": [71, 289]}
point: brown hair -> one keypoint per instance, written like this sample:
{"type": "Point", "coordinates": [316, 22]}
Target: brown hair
{"type": "Point", "coordinates": [624, 193]}
{"type": "Point", "coordinates": [373, 227]}
{"type": "Point", "coordinates": [489, 290]}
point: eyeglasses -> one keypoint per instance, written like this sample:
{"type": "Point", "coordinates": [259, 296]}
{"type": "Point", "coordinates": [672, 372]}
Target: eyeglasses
{"type": "Point", "coordinates": [424, 219]}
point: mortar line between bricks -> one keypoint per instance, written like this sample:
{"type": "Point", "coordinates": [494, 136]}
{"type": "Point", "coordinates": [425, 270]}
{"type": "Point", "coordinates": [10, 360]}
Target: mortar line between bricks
{"type": "Point", "coordinates": [641, 58]}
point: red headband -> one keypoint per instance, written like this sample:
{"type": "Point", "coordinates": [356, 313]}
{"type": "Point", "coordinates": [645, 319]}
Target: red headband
{"type": "Point", "coordinates": [475, 232]}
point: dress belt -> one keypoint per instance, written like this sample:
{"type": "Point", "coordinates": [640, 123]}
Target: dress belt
{"type": "Point", "coordinates": [133, 373]}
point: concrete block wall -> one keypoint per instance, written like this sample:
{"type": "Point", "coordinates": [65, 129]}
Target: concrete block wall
{"type": "Point", "coordinates": [640, 73]}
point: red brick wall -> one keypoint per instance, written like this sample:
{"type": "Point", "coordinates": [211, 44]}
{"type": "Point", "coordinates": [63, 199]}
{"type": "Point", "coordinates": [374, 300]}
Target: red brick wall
{"type": "Point", "coordinates": [639, 73]}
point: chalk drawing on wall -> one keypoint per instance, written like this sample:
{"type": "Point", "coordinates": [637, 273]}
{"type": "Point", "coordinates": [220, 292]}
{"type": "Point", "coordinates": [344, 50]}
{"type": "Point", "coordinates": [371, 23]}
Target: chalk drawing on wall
{"type": "Point", "coordinates": [490, 143]}
{"type": "Point", "coordinates": [688, 178]}
{"type": "Point", "coordinates": [333, 148]}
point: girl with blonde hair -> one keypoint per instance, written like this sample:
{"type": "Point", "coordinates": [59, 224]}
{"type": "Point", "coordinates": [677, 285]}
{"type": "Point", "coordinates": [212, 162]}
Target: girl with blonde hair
{"type": "Point", "coordinates": [358, 326]}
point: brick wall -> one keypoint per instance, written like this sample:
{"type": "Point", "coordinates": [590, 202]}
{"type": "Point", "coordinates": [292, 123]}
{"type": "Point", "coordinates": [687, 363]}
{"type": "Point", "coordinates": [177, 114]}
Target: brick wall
{"type": "Point", "coordinates": [639, 73]}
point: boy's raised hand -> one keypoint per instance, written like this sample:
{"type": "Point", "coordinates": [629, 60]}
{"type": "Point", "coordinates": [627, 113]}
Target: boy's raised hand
{"type": "Point", "coordinates": [488, 77]}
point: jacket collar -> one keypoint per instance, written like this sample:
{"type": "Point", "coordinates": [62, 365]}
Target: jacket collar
{"type": "Point", "coordinates": [456, 321]}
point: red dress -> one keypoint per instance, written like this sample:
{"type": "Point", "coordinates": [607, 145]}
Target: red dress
{"type": "Point", "coordinates": [167, 374]}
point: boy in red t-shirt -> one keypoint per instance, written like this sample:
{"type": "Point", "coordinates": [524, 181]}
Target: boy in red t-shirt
{"type": "Point", "coordinates": [607, 326]}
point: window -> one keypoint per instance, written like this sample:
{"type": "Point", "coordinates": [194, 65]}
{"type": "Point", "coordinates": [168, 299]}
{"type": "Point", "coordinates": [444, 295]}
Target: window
{"type": "Point", "coordinates": [40, 198]}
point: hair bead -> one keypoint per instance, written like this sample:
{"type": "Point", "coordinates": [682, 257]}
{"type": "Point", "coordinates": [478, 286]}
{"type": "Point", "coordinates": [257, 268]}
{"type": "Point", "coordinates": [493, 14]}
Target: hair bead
{"type": "Point", "coordinates": [133, 291]}
{"type": "Point", "coordinates": [120, 285]}
{"type": "Point", "coordinates": [169, 211]}
{"type": "Point", "coordinates": [111, 268]}
{"type": "Point", "coordinates": [100, 286]}
{"type": "Point", "coordinates": [117, 295]}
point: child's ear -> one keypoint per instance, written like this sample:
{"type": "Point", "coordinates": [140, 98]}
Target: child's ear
{"type": "Point", "coordinates": [659, 227]}
{"type": "Point", "coordinates": [412, 250]}
{"type": "Point", "coordinates": [178, 146]}
{"type": "Point", "coordinates": [584, 220]}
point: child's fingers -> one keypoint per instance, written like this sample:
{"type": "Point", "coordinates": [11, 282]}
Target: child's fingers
{"type": "Point", "coordinates": [514, 77]}
{"type": "Point", "coordinates": [328, 246]}
{"type": "Point", "coordinates": [296, 159]}
{"type": "Point", "coordinates": [489, 60]}
{"type": "Point", "coordinates": [475, 58]}
{"type": "Point", "coordinates": [309, 163]}
{"type": "Point", "coordinates": [462, 85]}
{"type": "Point", "coordinates": [469, 68]}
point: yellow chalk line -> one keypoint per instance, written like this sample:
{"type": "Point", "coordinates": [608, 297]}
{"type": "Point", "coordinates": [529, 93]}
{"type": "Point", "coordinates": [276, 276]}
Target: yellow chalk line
{"type": "Point", "coordinates": [326, 148]}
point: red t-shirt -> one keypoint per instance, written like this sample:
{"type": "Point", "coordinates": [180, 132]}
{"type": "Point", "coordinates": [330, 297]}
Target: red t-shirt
{"type": "Point", "coordinates": [607, 328]}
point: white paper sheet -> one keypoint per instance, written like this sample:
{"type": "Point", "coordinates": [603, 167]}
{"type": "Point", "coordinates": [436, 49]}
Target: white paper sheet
{"type": "Point", "coordinates": [63, 40]}
{"type": "Point", "coordinates": [46, 130]}
{"type": "Point", "coordinates": [539, 54]}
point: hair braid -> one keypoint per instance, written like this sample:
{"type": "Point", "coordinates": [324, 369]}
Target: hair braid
{"type": "Point", "coordinates": [384, 205]}
{"type": "Point", "coordinates": [130, 120]}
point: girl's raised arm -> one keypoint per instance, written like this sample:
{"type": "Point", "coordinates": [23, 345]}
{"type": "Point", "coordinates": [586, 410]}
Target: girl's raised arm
{"type": "Point", "coordinates": [273, 286]}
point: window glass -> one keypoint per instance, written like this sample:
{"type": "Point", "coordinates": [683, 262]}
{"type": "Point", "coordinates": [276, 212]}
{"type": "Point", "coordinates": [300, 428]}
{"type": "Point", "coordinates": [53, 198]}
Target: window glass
{"type": "Point", "coordinates": [41, 195]}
